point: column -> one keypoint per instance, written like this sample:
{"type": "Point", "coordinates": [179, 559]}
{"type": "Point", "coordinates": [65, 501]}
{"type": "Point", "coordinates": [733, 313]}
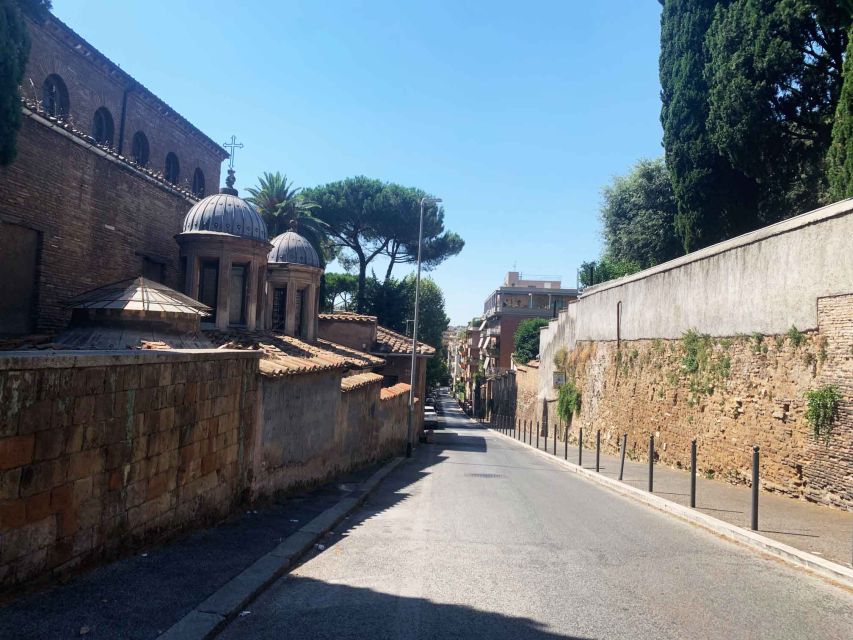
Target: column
{"type": "Point", "coordinates": [252, 295]}
{"type": "Point", "coordinates": [309, 312]}
{"type": "Point", "coordinates": [222, 307]}
{"type": "Point", "coordinates": [290, 318]}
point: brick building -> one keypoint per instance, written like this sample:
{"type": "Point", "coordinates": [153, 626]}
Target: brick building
{"type": "Point", "coordinates": [517, 300]}
{"type": "Point", "coordinates": [104, 176]}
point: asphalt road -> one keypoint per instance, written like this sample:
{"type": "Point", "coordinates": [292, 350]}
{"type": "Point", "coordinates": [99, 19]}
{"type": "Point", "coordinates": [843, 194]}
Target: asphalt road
{"type": "Point", "coordinates": [478, 538]}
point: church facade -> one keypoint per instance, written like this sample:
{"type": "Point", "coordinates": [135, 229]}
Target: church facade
{"type": "Point", "coordinates": [104, 175]}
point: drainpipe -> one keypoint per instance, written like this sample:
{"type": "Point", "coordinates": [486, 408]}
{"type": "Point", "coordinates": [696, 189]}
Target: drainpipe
{"type": "Point", "coordinates": [130, 87]}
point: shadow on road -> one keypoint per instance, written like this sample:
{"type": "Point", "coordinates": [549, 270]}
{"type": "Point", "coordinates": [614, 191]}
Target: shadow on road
{"type": "Point", "coordinates": [311, 609]}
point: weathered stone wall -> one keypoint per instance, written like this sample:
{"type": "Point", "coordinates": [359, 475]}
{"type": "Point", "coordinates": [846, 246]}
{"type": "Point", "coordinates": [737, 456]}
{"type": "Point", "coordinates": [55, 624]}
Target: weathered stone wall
{"type": "Point", "coordinates": [742, 391]}
{"type": "Point", "coordinates": [100, 451]}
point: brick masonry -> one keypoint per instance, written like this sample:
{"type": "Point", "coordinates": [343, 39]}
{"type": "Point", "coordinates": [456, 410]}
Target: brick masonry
{"type": "Point", "coordinates": [96, 218]}
{"type": "Point", "coordinates": [96, 457]}
{"type": "Point", "coordinates": [750, 391]}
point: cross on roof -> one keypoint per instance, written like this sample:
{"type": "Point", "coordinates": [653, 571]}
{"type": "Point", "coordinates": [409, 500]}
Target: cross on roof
{"type": "Point", "coordinates": [232, 147]}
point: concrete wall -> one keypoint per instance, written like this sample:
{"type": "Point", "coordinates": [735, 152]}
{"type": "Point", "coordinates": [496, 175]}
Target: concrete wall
{"type": "Point", "coordinates": [101, 451]}
{"type": "Point", "coordinates": [764, 281]}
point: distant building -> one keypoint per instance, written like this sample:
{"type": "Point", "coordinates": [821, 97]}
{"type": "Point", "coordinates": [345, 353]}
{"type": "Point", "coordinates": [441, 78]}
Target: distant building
{"type": "Point", "coordinates": [515, 301]}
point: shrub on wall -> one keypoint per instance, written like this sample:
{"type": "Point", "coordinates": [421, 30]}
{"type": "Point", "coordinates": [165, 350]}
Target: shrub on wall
{"type": "Point", "coordinates": [822, 408]}
{"type": "Point", "coordinates": [568, 401]}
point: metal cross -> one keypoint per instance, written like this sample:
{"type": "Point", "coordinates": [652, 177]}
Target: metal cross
{"type": "Point", "coordinates": [232, 146]}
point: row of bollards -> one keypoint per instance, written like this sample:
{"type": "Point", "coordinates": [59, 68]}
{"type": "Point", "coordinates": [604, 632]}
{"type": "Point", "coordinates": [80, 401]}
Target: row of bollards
{"type": "Point", "coordinates": [523, 430]}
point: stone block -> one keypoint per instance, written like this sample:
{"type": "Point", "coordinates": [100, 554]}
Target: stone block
{"type": "Point", "coordinates": [13, 514]}
{"type": "Point", "coordinates": [9, 483]}
{"type": "Point", "coordinates": [84, 410]}
{"type": "Point", "coordinates": [85, 463]}
{"type": "Point", "coordinates": [16, 451]}
{"type": "Point", "coordinates": [62, 497]}
{"type": "Point", "coordinates": [49, 444]}
{"type": "Point", "coordinates": [38, 506]}
{"type": "Point", "coordinates": [43, 476]}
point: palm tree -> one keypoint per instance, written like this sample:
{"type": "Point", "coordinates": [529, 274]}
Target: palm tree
{"type": "Point", "coordinates": [280, 204]}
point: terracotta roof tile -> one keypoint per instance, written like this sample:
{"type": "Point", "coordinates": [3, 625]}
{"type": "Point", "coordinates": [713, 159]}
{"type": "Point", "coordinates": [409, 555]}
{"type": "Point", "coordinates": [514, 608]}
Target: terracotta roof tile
{"type": "Point", "coordinates": [366, 359]}
{"type": "Point", "coordinates": [351, 383]}
{"type": "Point", "coordinates": [388, 341]}
{"type": "Point", "coordinates": [392, 392]}
{"type": "Point", "coordinates": [285, 355]}
{"type": "Point", "coordinates": [347, 316]}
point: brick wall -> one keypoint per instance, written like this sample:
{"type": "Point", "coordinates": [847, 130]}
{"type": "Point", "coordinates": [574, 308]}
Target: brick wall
{"type": "Point", "coordinates": [96, 218]}
{"type": "Point", "coordinates": [93, 82]}
{"type": "Point", "coordinates": [750, 390]}
{"type": "Point", "coordinates": [98, 452]}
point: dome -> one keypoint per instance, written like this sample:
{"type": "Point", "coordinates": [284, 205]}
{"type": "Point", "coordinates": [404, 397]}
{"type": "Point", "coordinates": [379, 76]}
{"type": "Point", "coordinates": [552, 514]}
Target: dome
{"type": "Point", "coordinates": [225, 213]}
{"type": "Point", "coordinates": [292, 248]}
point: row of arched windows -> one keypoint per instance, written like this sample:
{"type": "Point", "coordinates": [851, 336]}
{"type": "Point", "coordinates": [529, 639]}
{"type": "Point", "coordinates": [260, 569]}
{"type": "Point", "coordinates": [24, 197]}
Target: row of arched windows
{"type": "Point", "coordinates": [56, 103]}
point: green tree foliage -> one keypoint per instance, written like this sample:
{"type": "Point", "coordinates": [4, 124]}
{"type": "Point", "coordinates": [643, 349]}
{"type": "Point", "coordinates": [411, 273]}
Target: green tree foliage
{"type": "Point", "coordinates": [774, 72]}
{"type": "Point", "coordinates": [605, 269]}
{"type": "Point", "coordinates": [339, 292]}
{"type": "Point", "coordinates": [368, 218]}
{"type": "Point", "coordinates": [526, 339]}
{"type": "Point", "coordinates": [711, 195]}
{"type": "Point", "coordinates": [840, 160]}
{"type": "Point", "coordinates": [282, 206]}
{"type": "Point", "coordinates": [402, 232]}
{"type": "Point", "coordinates": [14, 53]}
{"type": "Point", "coordinates": [638, 217]}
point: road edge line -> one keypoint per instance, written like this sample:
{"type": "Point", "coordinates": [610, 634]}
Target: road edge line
{"type": "Point", "coordinates": [208, 618]}
{"type": "Point", "coordinates": [831, 571]}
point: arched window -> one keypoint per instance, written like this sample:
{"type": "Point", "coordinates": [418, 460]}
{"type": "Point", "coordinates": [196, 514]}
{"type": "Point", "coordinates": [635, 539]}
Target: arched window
{"type": "Point", "coordinates": [54, 97]}
{"type": "Point", "coordinates": [102, 127]}
{"type": "Point", "coordinates": [173, 168]}
{"type": "Point", "coordinates": [198, 182]}
{"type": "Point", "coordinates": [139, 149]}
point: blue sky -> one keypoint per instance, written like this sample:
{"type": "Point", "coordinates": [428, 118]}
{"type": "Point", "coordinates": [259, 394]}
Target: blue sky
{"type": "Point", "coordinates": [515, 113]}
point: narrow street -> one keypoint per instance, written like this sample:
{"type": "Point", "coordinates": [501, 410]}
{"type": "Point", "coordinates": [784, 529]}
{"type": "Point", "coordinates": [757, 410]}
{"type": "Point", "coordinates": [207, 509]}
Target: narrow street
{"type": "Point", "coordinates": [478, 537]}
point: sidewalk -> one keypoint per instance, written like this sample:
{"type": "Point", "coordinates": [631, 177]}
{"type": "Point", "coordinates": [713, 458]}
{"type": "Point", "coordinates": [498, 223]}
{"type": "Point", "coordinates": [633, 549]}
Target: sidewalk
{"type": "Point", "coordinates": [142, 595]}
{"type": "Point", "coordinates": [819, 530]}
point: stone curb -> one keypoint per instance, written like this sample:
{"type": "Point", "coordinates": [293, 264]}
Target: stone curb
{"type": "Point", "coordinates": [208, 618]}
{"type": "Point", "coordinates": [831, 571]}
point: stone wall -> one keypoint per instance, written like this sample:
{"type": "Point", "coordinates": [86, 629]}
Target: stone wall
{"type": "Point", "coordinates": [102, 451]}
{"type": "Point", "coordinates": [742, 391]}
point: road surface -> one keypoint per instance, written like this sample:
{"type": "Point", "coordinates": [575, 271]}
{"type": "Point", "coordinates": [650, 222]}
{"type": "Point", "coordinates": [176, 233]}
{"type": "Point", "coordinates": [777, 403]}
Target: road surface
{"type": "Point", "coordinates": [476, 537]}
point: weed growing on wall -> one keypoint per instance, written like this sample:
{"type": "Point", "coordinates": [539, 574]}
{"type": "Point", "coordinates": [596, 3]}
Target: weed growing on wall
{"type": "Point", "coordinates": [796, 337]}
{"type": "Point", "coordinates": [704, 367]}
{"type": "Point", "coordinates": [822, 408]}
{"type": "Point", "coordinates": [568, 402]}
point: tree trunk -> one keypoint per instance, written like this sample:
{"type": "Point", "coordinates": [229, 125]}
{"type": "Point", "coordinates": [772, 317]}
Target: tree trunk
{"type": "Point", "coordinates": [362, 281]}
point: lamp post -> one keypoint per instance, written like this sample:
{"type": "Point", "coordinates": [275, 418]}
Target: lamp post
{"type": "Point", "coordinates": [424, 200]}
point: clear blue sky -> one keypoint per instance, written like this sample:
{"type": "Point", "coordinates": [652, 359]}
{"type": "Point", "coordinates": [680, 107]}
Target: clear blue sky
{"type": "Point", "coordinates": [515, 113]}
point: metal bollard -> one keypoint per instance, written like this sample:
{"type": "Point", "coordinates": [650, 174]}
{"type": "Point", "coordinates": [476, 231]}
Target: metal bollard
{"type": "Point", "coordinates": [555, 440]}
{"type": "Point", "coordinates": [566, 442]}
{"type": "Point", "coordinates": [580, 446]}
{"type": "Point", "coordinates": [651, 462]}
{"type": "Point", "coordinates": [546, 437]}
{"type": "Point", "coordinates": [755, 463]}
{"type": "Point", "coordinates": [693, 474]}
{"type": "Point", "coordinates": [537, 434]}
{"type": "Point", "coordinates": [597, 449]}
{"type": "Point", "coordinates": [622, 462]}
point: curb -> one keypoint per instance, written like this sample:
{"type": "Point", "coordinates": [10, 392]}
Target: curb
{"type": "Point", "coordinates": [209, 617]}
{"type": "Point", "coordinates": [831, 571]}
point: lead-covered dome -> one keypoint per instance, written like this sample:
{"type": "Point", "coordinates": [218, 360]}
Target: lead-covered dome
{"type": "Point", "coordinates": [290, 247]}
{"type": "Point", "coordinates": [226, 213]}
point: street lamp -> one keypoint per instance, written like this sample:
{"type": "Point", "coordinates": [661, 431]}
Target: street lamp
{"type": "Point", "coordinates": [424, 200]}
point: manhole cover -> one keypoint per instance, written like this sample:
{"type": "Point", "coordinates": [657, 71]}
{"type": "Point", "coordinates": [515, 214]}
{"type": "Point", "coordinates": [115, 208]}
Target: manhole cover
{"type": "Point", "coordinates": [484, 475]}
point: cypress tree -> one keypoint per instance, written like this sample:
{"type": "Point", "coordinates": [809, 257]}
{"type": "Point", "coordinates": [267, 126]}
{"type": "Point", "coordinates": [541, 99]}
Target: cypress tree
{"type": "Point", "coordinates": [710, 194]}
{"type": "Point", "coordinates": [14, 51]}
{"type": "Point", "coordinates": [840, 160]}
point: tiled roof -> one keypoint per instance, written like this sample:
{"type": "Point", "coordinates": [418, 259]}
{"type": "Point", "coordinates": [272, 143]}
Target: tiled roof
{"type": "Point", "coordinates": [351, 383]}
{"type": "Point", "coordinates": [392, 392]}
{"type": "Point", "coordinates": [347, 316]}
{"type": "Point", "coordinates": [388, 341]}
{"type": "Point", "coordinates": [285, 355]}
{"type": "Point", "coordinates": [366, 359]}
